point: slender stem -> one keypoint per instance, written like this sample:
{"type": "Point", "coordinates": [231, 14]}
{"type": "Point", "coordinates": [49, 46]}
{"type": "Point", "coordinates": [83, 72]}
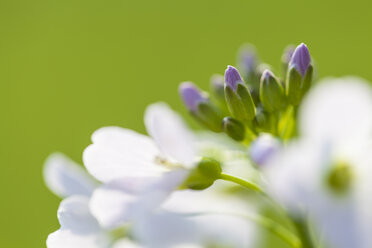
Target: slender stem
{"type": "Point", "coordinates": [276, 229]}
{"type": "Point", "coordinates": [304, 232]}
{"type": "Point", "coordinates": [241, 182]}
{"type": "Point", "coordinates": [273, 227]}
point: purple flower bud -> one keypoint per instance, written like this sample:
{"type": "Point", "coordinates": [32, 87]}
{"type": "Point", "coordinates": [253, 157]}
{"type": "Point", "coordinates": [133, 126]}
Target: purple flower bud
{"type": "Point", "coordinates": [232, 77]}
{"type": "Point", "coordinates": [288, 53]}
{"type": "Point", "coordinates": [301, 59]}
{"type": "Point", "coordinates": [247, 59]}
{"type": "Point", "coordinates": [266, 75]}
{"type": "Point", "coordinates": [191, 95]}
{"type": "Point", "coordinates": [217, 81]}
{"type": "Point", "coordinates": [263, 148]}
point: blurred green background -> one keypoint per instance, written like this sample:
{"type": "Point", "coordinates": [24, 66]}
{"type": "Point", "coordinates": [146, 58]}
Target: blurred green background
{"type": "Point", "coordinates": [68, 67]}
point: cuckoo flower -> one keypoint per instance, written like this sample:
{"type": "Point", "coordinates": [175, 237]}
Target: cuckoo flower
{"type": "Point", "coordinates": [138, 172]}
{"type": "Point", "coordinates": [80, 229]}
{"type": "Point", "coordinates": [65, 178]}
{"type": "Point", "coordinates": [326, 173]}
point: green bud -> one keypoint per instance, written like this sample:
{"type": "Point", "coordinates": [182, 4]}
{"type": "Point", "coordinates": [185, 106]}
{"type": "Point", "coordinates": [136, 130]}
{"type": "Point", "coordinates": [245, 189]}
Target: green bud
{"type": "Point", "coordinates": [200, 107]}
{"type": "Point", "coordinates": [210, 168]}
{"type": "Point", "coordinates": [299, 74]}
{"type": "Point", "coordinates": [293, 87]}
{"type": "Point", "coordinates": [204, 175]}
{"type": "Point", "coordinates": [209, 115]}
{"type": "Point", "coordinates": [271, 92]}
{"type": "Point", "coordinates": [238, 97]}
{"type": "Point", "coordinates": [234, 128]}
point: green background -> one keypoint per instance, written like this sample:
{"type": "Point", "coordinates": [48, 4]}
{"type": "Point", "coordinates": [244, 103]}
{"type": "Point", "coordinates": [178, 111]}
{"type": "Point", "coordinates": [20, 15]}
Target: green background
{"type": "Point", "coordinates": [68, 67]}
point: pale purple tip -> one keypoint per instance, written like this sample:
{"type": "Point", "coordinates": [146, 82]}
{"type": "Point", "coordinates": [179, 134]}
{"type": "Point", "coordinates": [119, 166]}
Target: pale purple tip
{"type": "Point", "coordinates": [266, 75]}
{"type": "Point", "coordinates": [301, 59]}
{"type": "Point", "coordinates": [217, 81]}
{"type": "Point", "coordinates": [263, 148]}
{"type": "Point", "coordinates": [232, 77]}
{"type": "Point", "coordinates": [191, 95]}
{"type": "Point", "coordinates": [288, 53]}
{"type": "Point", "coordinates": [248, 60]}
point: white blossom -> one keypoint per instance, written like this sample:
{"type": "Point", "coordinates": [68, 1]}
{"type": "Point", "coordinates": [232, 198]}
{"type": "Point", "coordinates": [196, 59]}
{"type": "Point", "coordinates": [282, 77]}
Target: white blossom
{"type": "Point", "coordinates": [326, 173]}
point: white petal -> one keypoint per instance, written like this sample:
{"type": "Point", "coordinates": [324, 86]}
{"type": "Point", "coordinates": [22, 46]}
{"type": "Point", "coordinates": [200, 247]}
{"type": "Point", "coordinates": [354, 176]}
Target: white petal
{"type": "Point", "coordinates": [337, 110]}
{"type": "Point", "coordinates": [64, 177]}
{"type": "Point", "coordinates": [168, 230]}
{"type": "Point", "coordinates": [74, 214]}
{"type": "Point", "coordinates": [117, 152]}
{"type": "Point", "coordinates": [170, 133]}
{"type": "Point", "coordinates": [64, 238]}
{"type": "Point", "coordinates": [127, 199]}
{"type": "Point", "coordinates": [295, 173]}
{"type": "Point", "coordinates": [78, 227]}
{"type": "Point", "coordinates": [205, 201]}
{"type": "Point", "coordinates": [126, 243]}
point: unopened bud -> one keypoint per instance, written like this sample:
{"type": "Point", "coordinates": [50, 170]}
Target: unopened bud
{"type": "Point", "coordinates": [263, 148]}
{"type": "Point", "coordinates": [271, 92]}
{"type": "Point", "coordinates": [238, 97]}
{"type": "Point", "coordinates": [204, 175]}
{"type": "Point", "coordinates": [234, 128]}
{"type": "Point", "coordinates": [200, 107]}
{"type": "Point", "coordinates": [217, 87]}
{"type": "Point", "coordinates": [299, 74]}
{"type": "Point", "coordinates": [247, 64]}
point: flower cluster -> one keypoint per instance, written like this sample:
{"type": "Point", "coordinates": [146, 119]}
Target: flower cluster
{"type": "Point", "coordinates": [271, 142]}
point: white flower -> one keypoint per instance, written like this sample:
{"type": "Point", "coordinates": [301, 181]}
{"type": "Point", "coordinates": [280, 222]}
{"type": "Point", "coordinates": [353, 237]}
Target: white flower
{"type": "Point", "coordinates": [197, 219]}
{"type": "Point", "coordinates": [78, 227]}
{"type": "Point", "coordinates": [138, 172]}
{"type": "Point", "coordinates": [327, 173]}
{"type": "Point", "coordinates": [64, 177]}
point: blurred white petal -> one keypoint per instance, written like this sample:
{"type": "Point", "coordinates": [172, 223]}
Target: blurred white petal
{"type": "Point", "coordinates": [197, 219]}
{"type": "Point", "coordinates": [337, 110]}
{"type": "Point", "coordinates": [168, 230]}
{"type": "Point", "coordinates": [128, 198]}
{"type": "Point", "coordinates": [64, 177]}
{"type": "Point", "coordinates": [205, 201]}
{"type": "Point", "coordinates": [126, 243]}
{"type": "Point", "coordinates": [117, 152]}
{"type": "Point", "coordinates": [170, 133]}
{"type": "Point", "coordinates": [78, 227]}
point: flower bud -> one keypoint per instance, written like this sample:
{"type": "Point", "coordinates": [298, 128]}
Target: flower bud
{"type": "Point", "coordinates": [200, 106]}
{"type": "Point", "coordinates": [263, 148]}
{"type": "Point", "coordinates": [192, 96]}
{"type": "Point", "coordinates": [234, 128]}
{"type": "Point", "coordinates": [238, 97]}
{"type": "Point", "coordinates": [271, 92]}
{"type": "Point", "coordinates": [217, 87]}
{"type": "Point", "coordinates": [286, 57]}
{"type": "Point", "coordinates": [210, 168]}
{"type": "Point", "coordinates": [204, 175]}
{"type": "Point", "coordinates": [299, 74]}
{"type": "Point", "coordinates": [247, 63]}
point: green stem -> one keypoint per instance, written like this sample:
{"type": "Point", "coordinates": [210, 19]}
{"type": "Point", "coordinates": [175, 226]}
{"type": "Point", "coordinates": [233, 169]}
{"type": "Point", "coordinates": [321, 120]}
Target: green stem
{"type": "Point", "coordinates": [304, 232]}
{"type": "Point", "coordinates": [277, 229]}
{"type": "Point", "coordinates": [268, 224]}
{"type": "Point", "coordinates": [241, 182]}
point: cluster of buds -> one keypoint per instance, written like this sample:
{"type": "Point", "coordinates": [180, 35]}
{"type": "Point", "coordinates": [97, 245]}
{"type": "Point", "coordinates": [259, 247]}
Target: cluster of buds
{"type": "Point", "coordinates": [254, 101]}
